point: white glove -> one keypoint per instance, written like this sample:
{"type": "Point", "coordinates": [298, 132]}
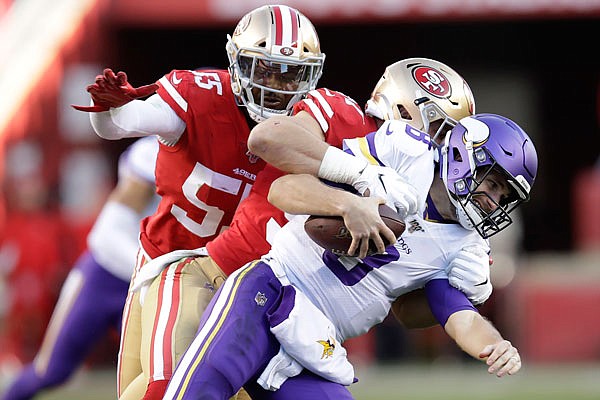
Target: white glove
{"type": "Point", "coordinates": [469, 272]}
{"type": "Point", "coordinates": [386, 183]}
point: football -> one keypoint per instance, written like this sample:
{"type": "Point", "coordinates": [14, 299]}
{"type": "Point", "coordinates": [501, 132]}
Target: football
{"type": "Point", "coordinates": [331, 232]}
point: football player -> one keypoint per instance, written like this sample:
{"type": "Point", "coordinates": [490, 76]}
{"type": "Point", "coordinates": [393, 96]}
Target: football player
{"type": "Point", "coordinates": [92, 297]}
{"type": "Point", "coordinates": [305, 301]}
{"type": "Point", "coordinates": [204, 170]}
{"type": "Point", "coordinates": [336, 117]}
{"type": "Point", "coordinates": [425, 94]}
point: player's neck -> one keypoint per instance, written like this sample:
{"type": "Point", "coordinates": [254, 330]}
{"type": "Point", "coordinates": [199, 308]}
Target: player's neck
{"type": "Point", "coordinates": [251, 123]}
{"type": "Point", "coordinates": [440, 199]}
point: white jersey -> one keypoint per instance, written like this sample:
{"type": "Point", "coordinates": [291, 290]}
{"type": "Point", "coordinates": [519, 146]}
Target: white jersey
{"type": "Point", "coordinates": [113, 240]}
{"type": "Point", "coordinates": [357, 294]}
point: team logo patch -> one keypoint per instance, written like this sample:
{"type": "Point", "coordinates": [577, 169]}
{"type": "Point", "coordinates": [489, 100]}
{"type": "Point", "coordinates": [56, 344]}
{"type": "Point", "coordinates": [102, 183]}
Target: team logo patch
{"type": "Point", "coordinates": [286, 51]}
{"type": "Point", "coordinates": [253, 158]}
{"type": "Point", "coordinates": [328, 347]}
{"type": "Point", "coordinates": [432, 81]}
{"type": "Point", "coordinates": [260, 299]}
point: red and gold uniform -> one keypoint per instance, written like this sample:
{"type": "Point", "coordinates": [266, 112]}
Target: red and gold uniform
{"type": "Point", "coordinates": [257, 220]}
{"type": "Point", "coordinates": [202, 178]}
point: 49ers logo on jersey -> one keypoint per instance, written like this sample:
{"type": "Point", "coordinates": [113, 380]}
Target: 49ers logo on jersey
{"type": "Point", "coordinates": [433, 81]}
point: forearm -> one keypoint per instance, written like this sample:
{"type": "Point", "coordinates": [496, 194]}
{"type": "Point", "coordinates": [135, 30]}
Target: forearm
{"type": "Point", "coordinates": [472, 332]}
{"type": "Point", "coordinates": [293, 144]}
{"type": "Point", "coordinates": [139, 118]}
{"type": "Point", "coordinates": [305, 194]}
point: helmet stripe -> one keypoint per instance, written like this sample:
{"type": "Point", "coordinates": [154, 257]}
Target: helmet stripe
{"type": "Point", "coordinates": [286, 26]}
{"type": "Point", "coordinates": [278, 25]}
{"type": "Point", "coordinates": [294, 20]}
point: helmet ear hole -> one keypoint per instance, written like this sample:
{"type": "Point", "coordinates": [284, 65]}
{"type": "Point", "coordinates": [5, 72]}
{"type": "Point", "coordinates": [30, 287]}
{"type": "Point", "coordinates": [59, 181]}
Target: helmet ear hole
{"type": "Point", "coordinates": [403, 112]}
{"type": "Point", "coordinates": [456, 155]}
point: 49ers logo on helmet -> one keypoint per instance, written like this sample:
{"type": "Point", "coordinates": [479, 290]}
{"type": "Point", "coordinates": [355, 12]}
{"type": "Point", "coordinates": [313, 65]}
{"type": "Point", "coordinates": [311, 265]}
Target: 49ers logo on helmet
{"type": "Point", "coordinates": [286, 51]}
{"type": "Point", "coordinates": [433, 81]}
{"type": "Point", "coordinates": [242, 25]}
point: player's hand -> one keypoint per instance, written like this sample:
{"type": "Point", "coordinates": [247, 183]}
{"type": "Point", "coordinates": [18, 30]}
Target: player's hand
{"type": "Point", "coordinates": [469, 272]}
{"type": "Point", "coordinates": [112, 90]}
{"type": "Point", "coordinates": [502, 358]}
{"type": "Point", "coordinates": [386, 183]}
{"type": "Point", "coordinates": [365, 224]}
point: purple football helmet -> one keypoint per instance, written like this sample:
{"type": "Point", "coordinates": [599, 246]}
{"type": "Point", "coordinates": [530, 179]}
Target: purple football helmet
{"type": "Point", "coordinates": [477, 145]}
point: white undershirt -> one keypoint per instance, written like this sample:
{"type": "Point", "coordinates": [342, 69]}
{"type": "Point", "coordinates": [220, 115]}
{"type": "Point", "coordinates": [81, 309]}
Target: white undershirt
{"type": "Point", "coordinates": [152, 116]}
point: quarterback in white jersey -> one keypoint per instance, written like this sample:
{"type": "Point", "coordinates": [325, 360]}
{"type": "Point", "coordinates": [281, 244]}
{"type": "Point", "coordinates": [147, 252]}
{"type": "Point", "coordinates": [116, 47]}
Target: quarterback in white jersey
{"type": "Point", "coordinates": [278, 323]}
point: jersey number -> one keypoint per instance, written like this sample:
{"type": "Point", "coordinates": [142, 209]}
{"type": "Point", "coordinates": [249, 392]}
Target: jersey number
{"type": "Point", "coordinates": [350, 270]}
{"type": "Point", "coordinates": [208, 80]}
{"type": "Point", "coordinates": [200, 176]}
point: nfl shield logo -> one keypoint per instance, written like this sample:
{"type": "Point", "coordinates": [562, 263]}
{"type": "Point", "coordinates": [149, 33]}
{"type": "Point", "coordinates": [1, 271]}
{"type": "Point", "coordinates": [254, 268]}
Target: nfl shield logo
{"type": "Point", "coordinates": [260, 299]}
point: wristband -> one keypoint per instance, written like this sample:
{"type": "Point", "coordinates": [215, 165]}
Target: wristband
{"type": "Point", "coordinates": [339, 166]}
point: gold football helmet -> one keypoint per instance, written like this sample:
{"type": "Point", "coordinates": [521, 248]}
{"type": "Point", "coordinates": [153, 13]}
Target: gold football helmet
{"type": "Point", "coordinates": [274, 60]}
{"type": "Point", "coordinates": [420, 91]}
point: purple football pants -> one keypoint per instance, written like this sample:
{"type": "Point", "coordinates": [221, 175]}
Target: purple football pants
{"type": "Point", "coordinates": [95, 307]}
{"type": "Point", "coordinates": [234, 344]}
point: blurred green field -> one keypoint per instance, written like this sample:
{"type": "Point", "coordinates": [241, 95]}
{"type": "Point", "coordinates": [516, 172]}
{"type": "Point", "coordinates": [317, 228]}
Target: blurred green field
{"type": "Point", "coordinates": [452, 381]}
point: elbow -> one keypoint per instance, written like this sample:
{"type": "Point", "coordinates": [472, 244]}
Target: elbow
{"type": "Point", "coordinates": [273, 195]}
{"type": "Point", "coordinates": [263, 137]}
{"type": "Point", "coordinates": [277, 191]}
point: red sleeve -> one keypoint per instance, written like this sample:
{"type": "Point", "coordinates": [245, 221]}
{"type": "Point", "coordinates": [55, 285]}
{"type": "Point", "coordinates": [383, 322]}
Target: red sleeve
{"type": "Point", "coordinates": [174, 88]}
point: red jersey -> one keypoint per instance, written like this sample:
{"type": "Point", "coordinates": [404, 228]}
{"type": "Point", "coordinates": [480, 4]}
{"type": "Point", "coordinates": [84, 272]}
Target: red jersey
{"type": "Point", "coordinates": [256, 220]}
{"type": "Point", "coordinates": [202, 178]}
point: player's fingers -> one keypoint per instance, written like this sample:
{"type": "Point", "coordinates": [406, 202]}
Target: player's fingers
{"type": "Point", "coordinates": [378, 243]}
{"type": "Point", "coordinates": [121, 78]}
{"type": "Point", "coordinates": [364, 248]}
{"type": "Point", "coordinates": [509, 366]}
{"type": "Point", "coordinates": [516, 361]}
{"type": "Point", "coordinates": [145, 90]}
{"type": "Point", "coordinates": [388, 235]}
{"type": "Point", "coordinates": [110, 75]}
{"type": "Point", "coordinates": [93, 88]}
{"type": "Point", "coordinates": [353, 246]}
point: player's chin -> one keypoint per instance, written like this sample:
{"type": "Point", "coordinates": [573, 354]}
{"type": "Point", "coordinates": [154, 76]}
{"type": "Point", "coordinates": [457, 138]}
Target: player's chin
{"type": "Point", "coordinates": [274, 105]}
{"type": "Point", "coordinates": [276, 102]}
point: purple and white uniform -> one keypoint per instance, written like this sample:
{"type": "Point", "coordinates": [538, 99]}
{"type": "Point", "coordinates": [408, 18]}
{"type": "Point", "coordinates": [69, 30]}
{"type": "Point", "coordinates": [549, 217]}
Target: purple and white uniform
{"type": "Point", "coordinates": [241, 331]}
{"type": "Point", "coordinates": [93, 295]}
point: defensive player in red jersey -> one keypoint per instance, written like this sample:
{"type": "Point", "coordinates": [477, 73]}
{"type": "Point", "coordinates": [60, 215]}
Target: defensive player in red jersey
{"type": "Point", "coordinates": [336, 116]}
{"type": "Point", "coordinates": [204, 170]}
{"type": "Point", "coordinates": [326, 117]}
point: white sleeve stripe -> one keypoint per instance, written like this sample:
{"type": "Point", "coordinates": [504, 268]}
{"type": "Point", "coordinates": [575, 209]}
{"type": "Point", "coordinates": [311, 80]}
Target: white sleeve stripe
{"type": "Point", "coordinates": [324, 104]}
{"type": "Point", "coordinates": [318, 114]}
{"type": "Point", "coordinates": [174, 93]}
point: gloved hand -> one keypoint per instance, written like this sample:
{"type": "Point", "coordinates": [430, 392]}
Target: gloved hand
{"type": "Point", "coordinates": [469, 272]}
{"type": "Point", "coordinates": [386, 183]}
{"type": "Point", "coordinates": [112, 90]}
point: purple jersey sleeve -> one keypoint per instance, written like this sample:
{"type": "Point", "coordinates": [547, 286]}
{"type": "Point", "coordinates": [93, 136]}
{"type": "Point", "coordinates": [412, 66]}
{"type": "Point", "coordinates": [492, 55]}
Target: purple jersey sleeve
{"type": "Point", "coordinates": [444, 300]}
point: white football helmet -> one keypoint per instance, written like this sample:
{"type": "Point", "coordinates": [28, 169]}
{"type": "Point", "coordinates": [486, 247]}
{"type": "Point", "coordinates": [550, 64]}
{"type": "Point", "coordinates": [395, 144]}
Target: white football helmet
{"type": "Point", "coordinates": [420, 91]}
{"type": "Point", "coordinates": [274, 60]}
